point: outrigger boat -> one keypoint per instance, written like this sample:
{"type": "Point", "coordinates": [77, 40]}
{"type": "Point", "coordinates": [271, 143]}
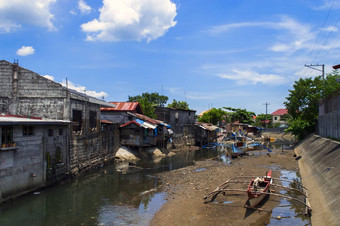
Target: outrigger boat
{"type": "Point", "coordinates": [258, 189]}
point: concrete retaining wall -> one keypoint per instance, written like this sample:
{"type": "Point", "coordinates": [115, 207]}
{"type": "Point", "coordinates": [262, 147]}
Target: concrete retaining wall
{"type": "Point", "coordinates": [321, 157]}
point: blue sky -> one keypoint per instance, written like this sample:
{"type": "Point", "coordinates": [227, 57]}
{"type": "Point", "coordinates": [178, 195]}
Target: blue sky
{"type": "Point", "coordinates": [213, 53]}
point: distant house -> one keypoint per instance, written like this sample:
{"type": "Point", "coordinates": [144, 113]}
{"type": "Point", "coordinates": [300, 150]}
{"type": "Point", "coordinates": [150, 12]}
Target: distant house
{"type": "Point", "coordinates": [277, 116]}
{"type": "Point", "coordinates": [182, 123]}
{"type": "Point", "coordinates": [136, 129]}
{"type": "Point", "coordinates": [205, 133]}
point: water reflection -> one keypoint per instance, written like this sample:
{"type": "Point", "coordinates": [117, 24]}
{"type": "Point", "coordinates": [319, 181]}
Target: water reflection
{"type": "Point", "coordinates": [118, 194]}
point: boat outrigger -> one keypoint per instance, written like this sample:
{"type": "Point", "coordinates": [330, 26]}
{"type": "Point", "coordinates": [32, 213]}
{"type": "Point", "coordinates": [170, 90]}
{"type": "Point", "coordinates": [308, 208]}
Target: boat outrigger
{"type": "Point", "coordinates": [258, 189]}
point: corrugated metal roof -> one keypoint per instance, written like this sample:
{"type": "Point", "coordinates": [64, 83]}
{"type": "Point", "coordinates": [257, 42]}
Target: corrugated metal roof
{"type": "Point", "coordinates": [124, 106]}
{"type": "Point", "coordinates": [280, 112]}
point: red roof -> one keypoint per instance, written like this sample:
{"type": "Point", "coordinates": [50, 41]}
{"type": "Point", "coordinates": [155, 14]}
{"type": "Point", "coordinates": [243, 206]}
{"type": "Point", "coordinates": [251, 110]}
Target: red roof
{"type": "Point", "coordinates": [133, 121]}
{"type": "Point", "coordinates": [280, 112]}
{"type": "Point", "coordinates": [133, 107]}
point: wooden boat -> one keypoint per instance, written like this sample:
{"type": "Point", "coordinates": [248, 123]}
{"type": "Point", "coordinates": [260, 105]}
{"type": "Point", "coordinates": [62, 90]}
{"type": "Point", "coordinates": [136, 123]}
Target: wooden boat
{"type": "Point", "coordinates": [258, 189]}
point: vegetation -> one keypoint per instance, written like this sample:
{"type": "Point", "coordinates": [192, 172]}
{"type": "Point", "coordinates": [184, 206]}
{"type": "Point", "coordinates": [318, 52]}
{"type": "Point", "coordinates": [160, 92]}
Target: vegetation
{"type": "Point", "coordinates": [261, 119]}
{"type": "Point", "coordinates": [303, 100]}
{"type": "Point", "coordinates": [213, 116]}
{"type": "Point", "coordinates": [241, 115]}
{"type": "Point", "coordinates": [179, 105]}
{"type": "Point", "coordinates": [149, 101]}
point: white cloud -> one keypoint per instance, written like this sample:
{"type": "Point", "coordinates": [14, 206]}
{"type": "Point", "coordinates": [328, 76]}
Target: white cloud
{"type": "Point", "coordinates": [131, 20]}
{"type": "Point", "coordinates": [15, 13]}
{"type": "Point", "coordinates": [297, 33]}
{"type": "Point", "coordinates": [25, 50]}
{"type": "Point", "coordinates": [50, 77]}
{"type": "Point", "coordinates": [245, 77]}
{"type": "Point", "coordinates": [330, 29]}
{"type": "Point", "coordinates": [83, 7]}
{"type": "Point", "coordinates": [82, 89]}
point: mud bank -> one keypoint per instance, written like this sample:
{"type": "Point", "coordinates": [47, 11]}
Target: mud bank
{"type": "Point", "coordinates": [186, 188]}
{"type": "Point", "coordinates": [320, 173]}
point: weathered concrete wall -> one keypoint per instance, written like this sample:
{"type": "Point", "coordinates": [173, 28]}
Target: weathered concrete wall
{"type": "Point", "coordinates": [23, 168]}
{"type": "Point", "coordinates": [24, 92]}
{"type": "Point", "coordinates": [320, 158]}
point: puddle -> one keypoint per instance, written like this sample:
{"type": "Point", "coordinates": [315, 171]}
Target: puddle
{"type": "Point", "coordinates": [225, 202]}
{"type": "Point", "coordinates": [198, 170]}
{"type": "Point", "coordinates": [289, 212]}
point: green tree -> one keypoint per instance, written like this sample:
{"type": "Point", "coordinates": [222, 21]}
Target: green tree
{"type": "Point", "coordinates": [179, 105]}
{"type": "Point", "coordinates": [149, 101]}
{"type": "Point", "coordinates": [241, 115]}
{"type": "Point", "coordinates": [303, 101]}
{"type": "Point", "coordinates": [213, 116]}
{"type": "Point", "coordinates": [260, 120]}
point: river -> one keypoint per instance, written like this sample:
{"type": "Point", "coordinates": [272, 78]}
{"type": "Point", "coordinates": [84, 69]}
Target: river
{"type": "Point", "coordinates": [118, 194]}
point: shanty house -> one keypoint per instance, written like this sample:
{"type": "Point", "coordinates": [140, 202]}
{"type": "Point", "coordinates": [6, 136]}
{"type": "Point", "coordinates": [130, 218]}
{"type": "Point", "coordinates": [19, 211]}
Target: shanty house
{"type": "Point", "coordinates": [119, 114]}
{"type": "Point", "coordinates": [26, 93]}
{"type": "Point", "coordinates": [33, 153]}
{"type": "Point", "coordinates": [182, 123]}
{"type": "Point", "coordinates": [205, 133]}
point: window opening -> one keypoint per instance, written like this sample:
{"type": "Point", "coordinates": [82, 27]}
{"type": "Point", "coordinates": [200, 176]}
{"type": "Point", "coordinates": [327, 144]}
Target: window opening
{"type": "Point", "coordinates": [93, 119]}
{"type": "Point", "coordinates": [27, 130]}
{"type": "Point", "coordinates": [6, 134]}
{"type": "Point", "coordinates": [77, 119]}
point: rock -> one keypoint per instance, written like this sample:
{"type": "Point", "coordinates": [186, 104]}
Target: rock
{"type": "Point", "coordinates": [171, 154]}
{"type": "Point", "coordinates": [125, 154]}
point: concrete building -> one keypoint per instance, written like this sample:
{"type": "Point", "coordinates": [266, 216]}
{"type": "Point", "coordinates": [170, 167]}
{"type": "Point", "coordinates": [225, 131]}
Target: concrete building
{"type": "Point", "coordinates": [33, 153]}
{"type": "Point", "coordinates": [26, 93]}
{"type": "Point", "coordinates": [182, 123]}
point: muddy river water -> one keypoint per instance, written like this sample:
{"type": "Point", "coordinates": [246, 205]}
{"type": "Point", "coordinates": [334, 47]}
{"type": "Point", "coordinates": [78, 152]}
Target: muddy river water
{"type": "Point", "coordinates": [119, 194]}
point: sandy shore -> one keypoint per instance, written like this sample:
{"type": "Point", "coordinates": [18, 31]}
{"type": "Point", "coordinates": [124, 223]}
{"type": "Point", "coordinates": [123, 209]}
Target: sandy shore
{"type": "Point", "coordinates": [187, 186]}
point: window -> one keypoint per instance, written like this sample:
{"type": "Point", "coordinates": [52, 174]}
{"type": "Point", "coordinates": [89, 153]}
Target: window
{"type": "Point", "coordinates": [6, 134]}
{"type": "Point", "coordinates": [61, 132]}
{"type": "Point", "coordinates": [93, 119]}
{"type": "Point", "coordinates": [27, 130]}
{"type": "Point", "coordinates": [50, 132]}
{"type": "Point", "coordinates": [77, 119]}
{"type": "Point", "coordinates": [275, 118]}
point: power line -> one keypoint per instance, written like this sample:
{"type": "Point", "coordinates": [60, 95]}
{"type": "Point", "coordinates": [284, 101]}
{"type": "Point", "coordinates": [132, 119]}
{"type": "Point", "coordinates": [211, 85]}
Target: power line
{"type": "Point", "coordinates": [317, 38]}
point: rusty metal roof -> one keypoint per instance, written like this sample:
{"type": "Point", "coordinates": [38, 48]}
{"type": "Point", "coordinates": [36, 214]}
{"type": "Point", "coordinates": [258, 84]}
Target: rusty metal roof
{"type": "Point", "coordinates": [125, 106]}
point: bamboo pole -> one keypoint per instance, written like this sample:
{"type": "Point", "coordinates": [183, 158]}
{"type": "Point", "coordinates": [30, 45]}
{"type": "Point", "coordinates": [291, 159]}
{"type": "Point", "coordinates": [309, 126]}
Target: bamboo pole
{"type": "Point", "coordinates": [274, 194]}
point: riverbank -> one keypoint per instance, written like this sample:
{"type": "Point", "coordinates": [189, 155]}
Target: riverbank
{"type": "Point", "coordinates": [187, 186]}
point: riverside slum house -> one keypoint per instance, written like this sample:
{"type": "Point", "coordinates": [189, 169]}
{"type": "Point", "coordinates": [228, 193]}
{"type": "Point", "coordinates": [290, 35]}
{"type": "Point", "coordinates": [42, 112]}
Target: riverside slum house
{"type": "Point", "coordinates": [136, 129]}
{"type": "Point", "coordinates": [56, 131]}
{"type": "Point", "coordinates": [205, 133]}
{"type": "Point", "coordinates": [182, 124]}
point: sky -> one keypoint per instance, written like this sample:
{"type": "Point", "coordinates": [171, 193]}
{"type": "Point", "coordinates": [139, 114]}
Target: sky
{"type": "Point", "coordinates": [209, 53]}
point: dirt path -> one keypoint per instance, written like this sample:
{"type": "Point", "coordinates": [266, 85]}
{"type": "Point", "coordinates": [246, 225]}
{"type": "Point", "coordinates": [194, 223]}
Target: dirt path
{"type": "Point", "coordinates": [186, 188]}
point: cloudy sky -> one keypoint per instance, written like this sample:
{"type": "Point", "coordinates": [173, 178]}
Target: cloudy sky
{"type": "Point", "coordinates": [210, 53]}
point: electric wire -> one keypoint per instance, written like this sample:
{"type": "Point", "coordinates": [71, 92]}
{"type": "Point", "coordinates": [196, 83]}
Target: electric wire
{"type": "Point", "coordinates": [317, 38]}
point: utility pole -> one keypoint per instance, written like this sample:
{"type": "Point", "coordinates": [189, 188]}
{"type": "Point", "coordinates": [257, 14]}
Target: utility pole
{"type": "Point", "coordinates": [266, 112]}
{"type": "Point", "coordinates": [312, 66]}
